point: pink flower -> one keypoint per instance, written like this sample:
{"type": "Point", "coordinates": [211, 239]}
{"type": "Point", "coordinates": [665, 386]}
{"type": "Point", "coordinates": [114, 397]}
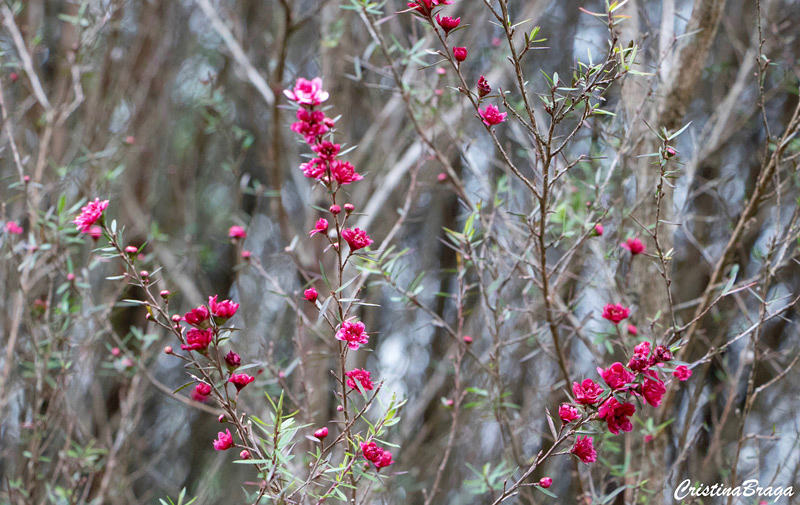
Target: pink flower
{"type": "Point", "coordinates": [634, 245]}
{"type": "Point", "coordinates": [424, 6]}
{"type": "Point", "coordinates": [198, 317]}
{"type": "Point", "coordinates": [90, 214]}
{"type": "Point", "coordinates": [460, 53]}
{"type": "Point", "coordinates": [200, 392]}
{"type": "Point", "coordinates": [307, 92]}
{"type": "Point", "coordinates": [616, 376]}
{"type": "Point", "coordinates": [197, 339]}
{"type": "Point", "coordinates": [598, 229]}
{"type": "Point", "coordinates": [240, 380]}
{"type": "Point", "coordinates": [447, 23]}
{"type": "Point", "coordinates": [483, 86]}
{"type": "Point", "coordinates": [320, 227]}
{"type": "Point", "coordinates": [584, 449]}
{"type": "Point", "coordinates": [378, 456]}
{"type": "Point", "coordinates": [353, 333]}
{"type": "Point", "coordinates": [491, 115]}
{"type": "Point", "coordinates": [587, 392]}
{"type": "Point", "coordinates": [639, 361]}
{"type": "Point", "coordinates": [311, 294]}
{"type": "Point", "coordinates": [224, 441]}
{"type": "Point", "coordinates": [616, 415]}
{"type": "Point", "coordinates": [653, 390]}
{"type": "Point", "coordinates": [237, 232]}
{"type": "Point", "coordinates": [682, 373]}
{"type": "Point", "coordinates": [315, 168]}
{"type": "Point", "coordinates": [363, 378]}
{"type": "Point", "coordinates": [327, 150]}
{"type": "Point", "coordinates": [335, 210]}
{"type": "Point", "coordinates": [13, 228]}
{"type": "Point", "coordinates": [344, 173]}
{"type": "Point", "coordinates": [663, 354]}
{"type": "Point", "coordinates": [568, 413]}
{"type": "Point", "coordinates": [222, 311]}
{"type": "Point", "coordinates": [244, 455]}
{"type": "Point", "coordinates": [545, 482]}
{"type": "Point", "coordinates": [321, 433]}
{"type": "Point", "coordinates": [356, 238]}
{"type": "Point", "coordinates": [615, 313]}
{"type": "Point", "coordinates": [233, 360]}
{"type": "Point", "coordinates": [311, 124]}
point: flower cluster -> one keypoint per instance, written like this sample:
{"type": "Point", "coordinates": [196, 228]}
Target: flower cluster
{"type": "Point", "coordinates": [376, 455]}
{"type": "Point", "coordinates": [639, 381]}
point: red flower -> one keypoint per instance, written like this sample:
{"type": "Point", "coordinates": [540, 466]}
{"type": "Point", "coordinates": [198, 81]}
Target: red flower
{"type": "Point", "coordinates": [222, 311]}
{"type": "Point", "coordinates": [233, 361]}
{"type": "Point", "coordinates": [240, 380]}
{"type": "Point", "coordinates": [311, 294]}
{"type": "Point", "coordinates": [197, 339]}
{"type": "Point", "coordinates": [198, 317]}
{"type": "Point", "coordinates": [616, 415]}
{"type": "Point", "coordinates": [639, 361]}
{"type": "Point", "coordinates": [224, 441]}
{"type": "Point", "coordinates": [682, 373]}
{"type": "Point", "coordinates": [378, 456]}
{"type": "Point", "coordinates": [327, 150]}
{"type": "Point", "coordinates": [320, 227]}
{"type": "Point", "coordinates": [663, 354]}
{"type": "Point", "coordinates": [616, 376]}
{"type": "Point", "coordinates": [237, 232]}
{"type": "Point", "coordinates": [545, 482]}
{"type": "Point", "coordinates": [447, 23]}
{"type": "Point", "coordinates": [587, 392]}
{"type": "Point", "coordinates": [460, 53]}
{"type": "Point", "coordinates": [491, 115]}
{"type": "Point", "coordinates": [616, 313]}
{"type": "Point", "coordinates": [200, 392]}
{"type": "Point", "coordinates": [634, 245]}
{"type": "Point", "coordinates": [90, 214]}
{"type": "Point", "coordinates": [653, 390]}
{"type": "Point", "coordinates": [424, 6]}
{"type": "Point", "coordinates": [356, 238]}
{"type": "Point", "coordinates": [363, 378]}
{"type": "Point", "coordinates": [13, 228]}
{"type": "Point", "coordinates": [344, 173]}
{"type": "Point", "coordinates": [307, 92]}
{"type": "Point", "coordinates": [315, 168]}
{"type": "Point", "coordinates": [483, 86]}
{"type": "Point", "coordinates": [568, 413]}
{"type": "Point", "coordinates": [353, 333]}
{"type": "Point", "coordinates": [584, 449]}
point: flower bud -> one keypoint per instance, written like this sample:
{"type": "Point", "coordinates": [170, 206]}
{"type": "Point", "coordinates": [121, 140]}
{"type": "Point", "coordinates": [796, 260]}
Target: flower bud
{"type": "Point", "coordinates": [131, 249]}
{"type": "Point", "coordinates": [71, 277]}
{"type": "Point", "coordinates": [165, 294]}
{"type": "Point", "coordinates": [321, 433]}
{"type": "Point", "coordinates": [246, 255]}
{"type": "Point", "coordinates": [244, 455]}
{"type": "Point", "coordinates": [115, 351]}
{"type": "Point", "coordinates": [349, 207]}
{"type": "Point", "coordinates": [339, 408]}
{"type": "Point", "coordinates": [460, 53]}
{"type": "Point", "coordinates": [168, 350]}
{"type": "Point", "coordinates": [233, 361]}
{"type": "Point", "coordinates": [467, 339]}
{"type": "Point", "coordinates": [335, 209]}
{"type": "Point", "coordinates": [670, 152]}
{"type": "Point", "coordinates": [545, 482]}
{"type": "Point", "coordinates": [311, 294]}
{"type": "Point", "coordinates": [176, 318]}
{"type": "Point", "coordinates": [483, 87]}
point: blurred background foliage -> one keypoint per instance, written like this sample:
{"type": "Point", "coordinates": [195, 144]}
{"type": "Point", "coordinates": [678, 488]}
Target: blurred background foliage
{"type": "Point", "coordinates": [150, 108]}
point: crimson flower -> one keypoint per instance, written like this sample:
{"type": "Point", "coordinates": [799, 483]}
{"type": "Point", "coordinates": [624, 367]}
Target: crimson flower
{"type": "Point", "coordinates": [13, 228]}
{"type": "Point", "coordinates": [311, 294]}
{"type": "Point", "coordinates": [491, 115]}
{"type": "Point", "coordinates": [237, 232]}
{"type": "Point", "coordinates": [224, 441]}
{"type": "Point", "coordinates": [584, 449]}
{"type": "Point", "coordinates": [356, 238]}
{"type": "Point", "coordinates": [682, 373]}
{"type": "Point", "coordinates": [363, 378]}
{"type": "Point", "coordinates": [197, 339]}
{"type": "Point", "coordinates": [307, 92]}
{"type": "Point", "coordinates": [320, 227]}
{"type": "Point", "coordinates": [460, 53]}
{"type": "Point", "coordinates": [353, 333]}
{"type": "Point", "coordinates": [616, 376]}
{"type": "Point", "coordinates": [616, 415]}
{"type": "Point", "coordinates": [90, 214]}
{"type": "Point", "coordinates": [634, 245]}
{"type": "Point", "coordinates": [344, 173]}
{"type": "Point", "coordinates": [653, 390]}
{"type": "Point", "coordinates": [483, 87]}
{"type": "Point", "coordinates": [587, 392]}
{"type": "Point", "coordinates": [568, 413]}
{"type": "Point", "coordinates": [240, 380]}
{"type": "Point", "coordinates": [616, 313]}
{"type": "Point", "coordinates": [198, 317]}
{"type": "Point", "coordinates": [378, 456]}
{"type": "Point", "coordinates": [222, 311]}
{"type": "Point", "coordinates": [447, 23]}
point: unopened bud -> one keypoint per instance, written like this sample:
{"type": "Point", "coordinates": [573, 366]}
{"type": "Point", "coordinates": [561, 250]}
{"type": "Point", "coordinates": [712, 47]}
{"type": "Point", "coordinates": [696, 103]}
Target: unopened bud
{"type": "Point", "coordinates": [335, 209]}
